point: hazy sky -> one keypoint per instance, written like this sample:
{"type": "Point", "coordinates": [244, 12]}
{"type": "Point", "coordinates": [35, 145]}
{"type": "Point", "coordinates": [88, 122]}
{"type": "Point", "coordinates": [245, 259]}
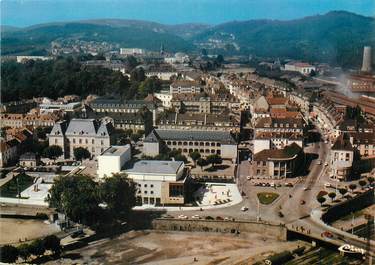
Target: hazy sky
{"type": "Point", "coordinates": [29, 12]}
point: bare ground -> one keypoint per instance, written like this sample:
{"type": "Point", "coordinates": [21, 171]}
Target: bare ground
{"type": "Point", "coordinates": [177, 248]}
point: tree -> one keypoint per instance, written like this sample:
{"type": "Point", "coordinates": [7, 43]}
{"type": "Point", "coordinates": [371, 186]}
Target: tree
{"type": "Point", "coordinates": [8, 254]}
{"type": "Point", "coordinates": [76, 196]}
{"type": "Point", "coordinates": [81, 153]}
{"type": "Point", "coordinates": [370, 180]}
{"type": "Point", "coordinates": [135, 137]}
{"type": "Point", "coordinates": [37, 247]}
{"type": "Point", "coordinates": [41, 132]}
{"type": "Point", "coordinates": [180, 157]}
{"type": "Point", "coordinates": [195, 156]}
{"type": "Point", "coordinates": [343, 191]}
{"type": "Point", "coordinates": [138, 75]}
{"type": "Point", "coordinates": [149, 86]}
{"type": "Point", "coordinates": [352, 187]}
{"type": "Point", "coordinates": [214, 159]}
{"type": "Point", "coordinates": [52, 243]}
{"type": "Point", "coordinates": [24, 251]}
{"type": "Point", "coordinates": [362, 183]}
{"type": "Point", "coordinates": [321, 200]}
{"type": "Point", "coordinates": [201, 162]}
{"type": "Point", "coordinates": [332, 195]}
{"type": "Point", "coordinates": [53, 152]}
{"type": "Point", "coordinates": [119, 194]}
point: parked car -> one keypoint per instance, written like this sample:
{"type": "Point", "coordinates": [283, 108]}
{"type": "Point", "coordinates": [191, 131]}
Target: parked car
{"type": "Point", "coordinates": [181, 216]}
{"type": "Point", "coordinates": [326, 164]}
{"type": "Point", "coordinates": [248, 177]}
{"type": "Point", "coordinates": [327, 234]}
{"type": "Point", "coordinates": [327, 185]}
{"type": "Point", "coordinates": [196, 216]}
{"type": "Point", "coordinates": [244, 208]}
{"type": "Point", "coordinates": [302, 202]}
{"type": "Point", "coordinates": [219, 218]}
{"type": "Point", "coordinates": [319, 162]}
{"type": "Point", "coordinates": [209, 218]}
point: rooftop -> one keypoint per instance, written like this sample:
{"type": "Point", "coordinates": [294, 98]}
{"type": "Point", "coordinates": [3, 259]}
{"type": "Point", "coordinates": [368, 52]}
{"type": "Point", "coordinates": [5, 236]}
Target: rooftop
{"type": "Point", "coordinates": [156, 167]}
{"type": "Point", "coordinates": [116, 150]}
{"type": "Point", "coordinates": [287, 153]}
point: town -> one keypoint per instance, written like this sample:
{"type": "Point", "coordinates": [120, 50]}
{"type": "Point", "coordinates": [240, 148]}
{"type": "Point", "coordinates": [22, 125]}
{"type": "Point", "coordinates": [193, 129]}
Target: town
{"type": "Point", "coordinates": [196, 142]}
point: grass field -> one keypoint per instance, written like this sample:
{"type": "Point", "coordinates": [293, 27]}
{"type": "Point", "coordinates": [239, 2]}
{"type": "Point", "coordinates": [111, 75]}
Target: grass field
{"type": "Point", "coordinates": [267, 197]}
{"type": "Point", "coordinates": [10, 188]}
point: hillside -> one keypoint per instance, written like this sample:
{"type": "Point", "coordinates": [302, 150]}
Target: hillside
{"type": "Point", "coordinates": [336, 37]}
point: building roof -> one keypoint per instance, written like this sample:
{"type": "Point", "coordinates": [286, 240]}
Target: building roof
{"type": "Point", "coordinates": [156, 167]}
{"type": "Point", "coordinates": [287, 153]}
{"type": "Point", "coordinates": [59, 128]}
{"type": "Point", "coordinates": [185, 83]}
{"type": "Point", "coordinates": [269, 122]}
{"type": "Point", "coordinates": [87, 127]}
{"type": "Point", "coordinates": [28, 156]}
{"type": "Point", "coordinates": [279, 135]}
{"type": "Point", "coordinates": [343, 143]}
{"type": "Point", "coordinates": [261, 103]}
{"type": "Point", "coordinates": [183, 135]}
{"type": "Point", "coordinates": [203, 119]}
{"type": "Point", "coordinates": [116, 150]}
{"type": "Point", "coordinates": [121, 104]}
{"type": "Point", "coordinates": [276, 101]}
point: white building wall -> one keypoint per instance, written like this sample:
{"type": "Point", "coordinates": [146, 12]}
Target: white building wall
{"type": "Point", "coordinates": [261, 144]}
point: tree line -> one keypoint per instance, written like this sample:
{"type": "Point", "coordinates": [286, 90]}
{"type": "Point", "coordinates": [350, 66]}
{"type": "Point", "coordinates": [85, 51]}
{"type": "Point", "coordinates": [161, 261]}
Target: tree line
{"type": "Point", "coordinates": [66, 75]}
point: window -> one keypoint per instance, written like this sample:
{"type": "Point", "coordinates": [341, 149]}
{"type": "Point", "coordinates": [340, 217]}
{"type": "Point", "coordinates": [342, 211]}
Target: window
{"type": "Point", "coordinates": [145, 185]}
{"type": "Point", "coordinates": [152, 192]}
{"type": "Point", "coordinates": [87, 141]}
{"type": "Point", "coordinates": [74, 140]}
{"type": "Point", "coordinates": [55, 141]}
{"type": "Point", "coordinates": [145, 191]}
{"type": "Point", "coordinates": [80, 141]}
{"type": "Point", "coordinates": [92, 141]}
{"type": "Point", "coordinates": [152, 185]}
{"type": "Point", "coordinates": [102, 142]}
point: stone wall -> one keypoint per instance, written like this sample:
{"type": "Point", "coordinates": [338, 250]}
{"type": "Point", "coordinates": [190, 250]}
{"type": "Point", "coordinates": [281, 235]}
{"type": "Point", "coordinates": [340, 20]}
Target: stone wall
{"type": "Point", "coordinates": [277, 231]}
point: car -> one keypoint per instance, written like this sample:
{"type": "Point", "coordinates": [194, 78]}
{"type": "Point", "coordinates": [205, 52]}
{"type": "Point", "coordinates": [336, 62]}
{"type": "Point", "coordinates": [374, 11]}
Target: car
{"type": "Point", "coordinates": [219, 218]}
{"type": "Point", "coordinates": [306, 188]}
{"type": "Point", "coordinates": [326, 164]}
{"type": "Point", "coordinates": [248, 177]}
{"type": "Point", "coordinates": [196, 216]}
{"type": "Point", "coordinates": [209, 218]}
{"type": "Point", "coordinates": [166, 216]}
{"type": "Point", "coordinates": [272, 184]}
{"type": "Point", "coordinates": [319, 162]}
{"type": "Point", "coordinates": [181, 216]}
{"type": "Point", "coordinates": [302, 202]}
{"type": "Point", "coordinates": [327, 185]}
{"type": "Point", "coordinates": [244, 208]}
{"type": "Point", "coordinates": [327, 234]}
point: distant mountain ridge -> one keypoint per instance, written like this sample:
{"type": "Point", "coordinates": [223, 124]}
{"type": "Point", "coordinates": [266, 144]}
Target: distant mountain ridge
{"type": "Point", "coordinates": [336, 37]}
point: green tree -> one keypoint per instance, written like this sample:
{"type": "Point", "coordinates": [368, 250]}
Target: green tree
{"type": "Point", "coordinates": [181, 157]}
{"type": "Point", "coordinates": [362, 183]}
{"type": "Point", "coordinates": [8, 254]}
{"type": "Point", "coordinates": [24, 251]}
{"type": "Point", "coordinates": [149, 86]}
{"type": "Point", "coordinates": [201, 162]}
{"type": "Point", "coordinates": [214, 159]}
{"type": "Point", "coordinates": [81, 153]}
{"type": "Point", "coordinates": [332, 195]}
{"type": "Point", "coordinates": [52, 243]}
{"type": "Point", "coordinates": [321, 200]}
{"type": "Point", "coordinates": [37, 247]}
{"type": "Point", "coordinates": [343, 191]}
{"type": "Point", "coordinates": [135, 137]}
{"type": "Point", "coordinates": [352, 187]}
{"type": "Point", "coordinates": [195, 156]}
{"type": "Point", "coordinates": [52, 152]}
{"type": "Point", "coordinates": [76, 196]}
{"type": "Point", "coordinates": [137, 75]}
{"type": "Point", "coordinates": [119, 194]}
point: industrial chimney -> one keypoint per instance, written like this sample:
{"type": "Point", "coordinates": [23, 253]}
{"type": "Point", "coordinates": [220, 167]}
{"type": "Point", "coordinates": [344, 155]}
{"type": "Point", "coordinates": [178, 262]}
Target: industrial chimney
{"type": "Point", "coordinates": [367, 57]}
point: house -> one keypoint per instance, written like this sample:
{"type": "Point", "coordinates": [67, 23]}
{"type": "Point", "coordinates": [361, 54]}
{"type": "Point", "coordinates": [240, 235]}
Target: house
{"type": "Point", "coordinates": [91, 134]}
{"type": "Point", "coordinates": [9, 151]}
{"type": "Point", "coordinates": [303, 68]}
{"type": "Point", "coordinates": [185, 86]}
{"type": "Point", "coordinates": [342, 157]}
{"type": "Point", "coordinates": [159, 182]}
{"type": "Point", "coordinates": [29, 159]}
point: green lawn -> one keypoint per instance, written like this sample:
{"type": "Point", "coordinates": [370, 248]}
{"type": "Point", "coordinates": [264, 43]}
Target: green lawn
{"type": "Point", "coordinates": [10, 189]}
{"type": "Point", "coordinates": [267, 197]}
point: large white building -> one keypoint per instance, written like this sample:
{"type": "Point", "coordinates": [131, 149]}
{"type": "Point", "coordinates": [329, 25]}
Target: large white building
{"type": "Point", "coordinates": [303, 68]}
{"type": "Point", "coordinates": [112, 160]}
{"type": "Point", "coordinates": [159, 182]}
{"type": "Point", "coordinates": [131, 51]}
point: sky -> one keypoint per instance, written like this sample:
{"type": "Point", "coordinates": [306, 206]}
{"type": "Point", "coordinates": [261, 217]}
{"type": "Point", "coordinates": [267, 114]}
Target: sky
{"type": "Point", "coordinates": [23, 13]}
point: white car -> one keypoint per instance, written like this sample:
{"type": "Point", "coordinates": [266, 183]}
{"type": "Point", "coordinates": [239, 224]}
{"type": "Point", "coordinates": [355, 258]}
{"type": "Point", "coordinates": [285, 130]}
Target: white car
{"type": "Point", "coordinates": [272, 184]}
{"type": "Point", "coordinates": [181, 216]}
{"type": "Point", "coordinates": [326, 164]}
{"type": "Point", "coordinates": [327, 185]}
{"type": "Point", "coordinates": [319, 162]}
{"type": "Point", "coordinates": [196, 217]}
{"type": "Point", "coordinates": [248, 177]}
{"type": "Point", "coordinates": [244, 208]}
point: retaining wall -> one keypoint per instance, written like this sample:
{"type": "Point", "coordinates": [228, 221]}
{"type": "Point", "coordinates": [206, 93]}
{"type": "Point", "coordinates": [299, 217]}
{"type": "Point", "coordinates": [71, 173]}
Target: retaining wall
{"type": "Point", "coordinates": [276, 231]}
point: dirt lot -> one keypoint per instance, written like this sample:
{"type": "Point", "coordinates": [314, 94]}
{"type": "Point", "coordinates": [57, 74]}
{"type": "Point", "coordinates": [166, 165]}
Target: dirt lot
{"type": "Point", "coordinates": [176, 248]}
{"type": "Point", "coordinates": [12, 230]}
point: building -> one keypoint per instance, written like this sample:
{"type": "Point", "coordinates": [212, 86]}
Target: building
{"type": "Point", "coordinates": [9, 151]}
{"type": "Point", "coordinates": [112, 160]}
{"type": "Point", "coordinates": [205, 103]}
{"type": "Point", "coordinates": [204, 142]}
{"type": "Point", "coordinates": [361, 83]}
{"type": "Point", "coordinates": [288, 125]}
{"type": "Point", "coordinates": [25, 58]}
{"type": "Point", "coordinates": [160, 182]}
{"type": "Point", "coordinates": [91, 134]}
{"type": "Point", "coordinates": [132, 51]}
{"type": "Point", "coordinates": [17, 107]}
{"type": "Point", "coordinates": [364, 143]}
{"type": "Point", "coordinates": [165, 97]}
{"type": "Point", "coordinates": [118, 105]}
{"type": "Point", "coordinates": [275, 140]}
{"type": "Point", "coordinates": [303, 68]}
{"type": "Point", "coordinates": [32, 119]}
{"type": "Point", "coordinates": [185, 86]}
{"type": "Point", "coordinates": [57, 106]}
{"type": "Point", "coordinates": [279, 163]}
{"type": "Point", "coordinates": [29, 160]}
{"type": "Point", "coordinates": [342, 157]}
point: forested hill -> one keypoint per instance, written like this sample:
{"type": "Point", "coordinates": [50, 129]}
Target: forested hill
{"type": "Point", "coordinates": [337, 37]}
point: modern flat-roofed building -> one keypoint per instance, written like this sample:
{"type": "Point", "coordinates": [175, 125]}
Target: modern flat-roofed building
{"type": "Point", "coordinates": [204, 142]}
{"type": "Point", "coordinates": [159, 182]}
{"type": "Point", "coordinates": [112, 160]}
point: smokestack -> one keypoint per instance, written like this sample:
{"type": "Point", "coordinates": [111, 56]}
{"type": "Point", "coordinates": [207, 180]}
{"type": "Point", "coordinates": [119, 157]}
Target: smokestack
{"type": "Point", "coordinates": [366, 64]}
